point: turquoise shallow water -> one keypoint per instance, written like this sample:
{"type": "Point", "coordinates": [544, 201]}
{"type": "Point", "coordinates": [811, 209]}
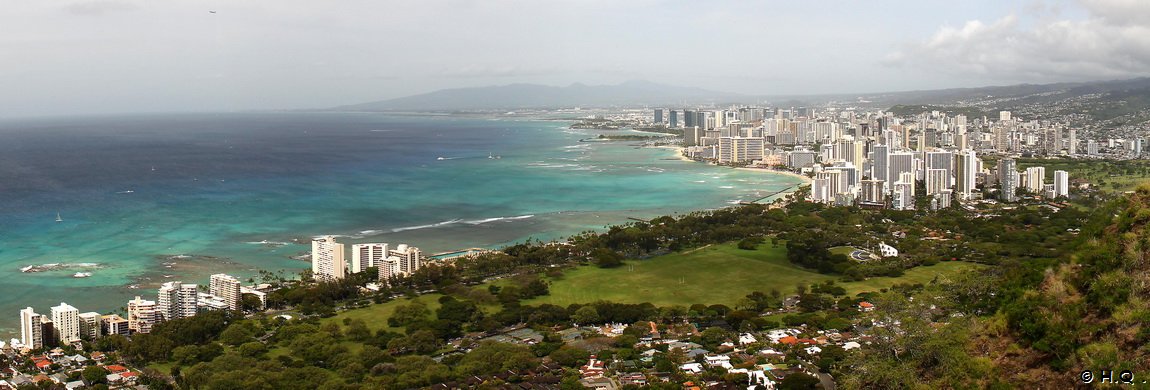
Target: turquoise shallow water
{"type": "Point", "coordinates": [178, 197]}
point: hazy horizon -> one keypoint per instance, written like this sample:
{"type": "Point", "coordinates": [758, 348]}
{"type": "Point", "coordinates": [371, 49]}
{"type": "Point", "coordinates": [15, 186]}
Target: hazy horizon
{"type": "Point", "coordinates": [120, 56]}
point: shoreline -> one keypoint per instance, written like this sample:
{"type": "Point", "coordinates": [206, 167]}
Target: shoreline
{"type": "Point", "coordinates": [806, 180]}
{"type": "Point", "coordinates": [679, 154]}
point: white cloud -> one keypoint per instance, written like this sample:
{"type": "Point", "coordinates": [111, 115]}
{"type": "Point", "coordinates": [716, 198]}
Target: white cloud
{"type": "Point", "coordinates": [1112, 41]}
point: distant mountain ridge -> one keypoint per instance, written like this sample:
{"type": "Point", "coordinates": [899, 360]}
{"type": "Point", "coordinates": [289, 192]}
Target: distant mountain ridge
{"type": "Point", "coordinates": [516, 96]}
{"type": "Point", "coordinates": [638, 93]}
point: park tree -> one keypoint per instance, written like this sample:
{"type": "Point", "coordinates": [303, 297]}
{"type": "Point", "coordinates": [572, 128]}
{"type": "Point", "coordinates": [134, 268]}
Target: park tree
{"type": "Point", "coordinates": [606, 258]}
{"type": "Point", "coordinates": [408, 314]}
{"type": "Point", "coordinates": [94, 375]}
{"type": "Point", "coordinates": [586, 315]}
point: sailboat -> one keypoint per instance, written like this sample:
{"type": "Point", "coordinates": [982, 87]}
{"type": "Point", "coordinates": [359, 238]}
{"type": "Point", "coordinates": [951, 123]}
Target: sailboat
{"type": "Point", "coordinates": [58, 218]}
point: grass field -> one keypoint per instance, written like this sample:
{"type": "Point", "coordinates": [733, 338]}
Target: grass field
{"type": "Point", "coordinates": [716, 274]}
{"type": "Point", "coordinates": [376, 315]}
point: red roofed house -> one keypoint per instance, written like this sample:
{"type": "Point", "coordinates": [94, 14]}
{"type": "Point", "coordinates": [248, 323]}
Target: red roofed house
{"type": "Point", "coordinates": [116, 368]}
{"type": "Point", "coordinates": [593, 369]}
{"type": "Point", "coordinates": [866, 306]}
{"type": "Point", "coordinates": [789, 340]}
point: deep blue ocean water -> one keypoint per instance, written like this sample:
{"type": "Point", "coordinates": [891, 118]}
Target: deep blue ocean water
{"type": "Point", "coordinates": [150, 198]}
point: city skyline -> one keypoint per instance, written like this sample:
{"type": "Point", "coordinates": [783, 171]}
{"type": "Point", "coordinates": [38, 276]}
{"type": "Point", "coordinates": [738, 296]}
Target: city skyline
{"type": "Point", "coordinates": [114, 55]}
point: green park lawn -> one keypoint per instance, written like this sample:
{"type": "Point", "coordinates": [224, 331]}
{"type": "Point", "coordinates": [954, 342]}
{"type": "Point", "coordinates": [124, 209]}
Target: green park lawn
{"type": "Point", "coordinates": [376, 315]}
{"type": "Point", "coordinates": [715, 274]}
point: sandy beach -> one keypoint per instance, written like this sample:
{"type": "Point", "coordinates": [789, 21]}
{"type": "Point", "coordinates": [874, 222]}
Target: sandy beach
{"type": "Point", "coordinates": [678, 152]}
{"type": "Point", "coordinates": [805, 179]}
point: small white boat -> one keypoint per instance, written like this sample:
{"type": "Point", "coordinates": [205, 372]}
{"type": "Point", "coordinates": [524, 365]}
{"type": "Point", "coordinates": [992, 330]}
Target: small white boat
{"type": "Point", "coordinates": [58, 218]}
{"type": "Point", "coordinates": [441, 159]}
{"type": "Point", "coordinates": [82, 274]}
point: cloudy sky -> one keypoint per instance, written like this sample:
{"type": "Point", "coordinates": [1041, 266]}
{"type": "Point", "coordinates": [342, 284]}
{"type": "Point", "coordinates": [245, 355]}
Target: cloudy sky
{"type": "Point", "coordinates": [102, 56]}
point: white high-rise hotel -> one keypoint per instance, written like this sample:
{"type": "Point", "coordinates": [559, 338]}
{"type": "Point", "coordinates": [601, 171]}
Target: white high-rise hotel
{"type": "Point", "coordinates": [177, 300]}
{"type": "Point", "coordinates": [66, 320]}
{"type": "Point", "coordinates": [31, 329]}
{"type": "Point", "coordinates": [327, 260]}
{"type": "Point", "coordinates": [141, 315]}
{"type": "Point", "coordinates": [364, 256]}
{"type": "Point", "coordinates": [227, 288]}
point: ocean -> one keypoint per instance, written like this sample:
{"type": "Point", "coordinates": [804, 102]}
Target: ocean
{"type": "Point", "coordinates": [151, 198]}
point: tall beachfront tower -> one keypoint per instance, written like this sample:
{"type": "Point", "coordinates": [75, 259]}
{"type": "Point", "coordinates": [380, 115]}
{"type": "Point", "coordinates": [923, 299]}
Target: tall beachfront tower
{"type": "Point", "coordinates": [327, 261]}
{"type": "Point", "coordinates": [31, 329]}
{"type": "Point", "coordinates": [408, 258]}
{"type": "Point", "coordinates": [364, 256]}
{"type": "Point", "coordinates": [141, 315]}
{"type": "Point", "coordinates": [177, 300]}
{"type": "Point", "coordinates": [67, 323]}
{"type": "Point", "coordinates": [226, 287]}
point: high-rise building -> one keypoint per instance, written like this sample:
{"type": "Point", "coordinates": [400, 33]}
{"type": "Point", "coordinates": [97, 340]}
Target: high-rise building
{"type": "Point", "coordinates": [1061, 184]}
{"type": "Point", "coordinates": [1007, 179]}
{"type": "Point", "coordinates": [902, 196]}
{"type": "Point", "coordinates": [31, 329]}
{"type": "Point", "coordinates": [658, 115]}
{"type": "Point", "coordinates": [1035, 179]}
{"type": "Point", "coordinates": [177, 300]}
{"type": "Point", "coordinates": [364, 256]}
{"type": "Point", "coordinates": [740, 149]}
{"type": "Point", "coordinates": [940, 160]}
{"type": "Point", "coordinates": [832, 183]}
{"type": "Point", "coordinates": [327, 260]}
{"type": "Point", "coordinates": [966, 171]}
{"type": "Point", "coordinates": [90, 325]}
{"type": "Point", "coordinates": [408, 259]}
{"type": "Point", "coordinates": [689, 118]}
{"type": "Point", "coordinates": [879, 156]}
{"type": "Point", "coordinates": [942, 199]}
{"type": "Point", "coordinates": [899, 163]}
{"type": "Point", "coordinates": [872, 193]}
{"type": "Point", "coordinates": [227, 288]}
{"type": "Point", "coordinates": [1092, 147]}
{"type": "Point", "coordinates": [1072, 143]}
{"type": "Point", "coordinates": [692, 136]}
{"type": "Point", "coordinates": [937, 180]}
{"type": "Point", "coordinates": [141, 315]}
{"type": "Point", "coordinates": [67, 323]}
{"type": "Point", "coordinates": [114, 324]}
{"type": "Point", "coordinates": [819, 190]}
{"type": "Point", "coordinates": [674, 122]}
{"type": "Point", "coordinates": [801, 159]}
